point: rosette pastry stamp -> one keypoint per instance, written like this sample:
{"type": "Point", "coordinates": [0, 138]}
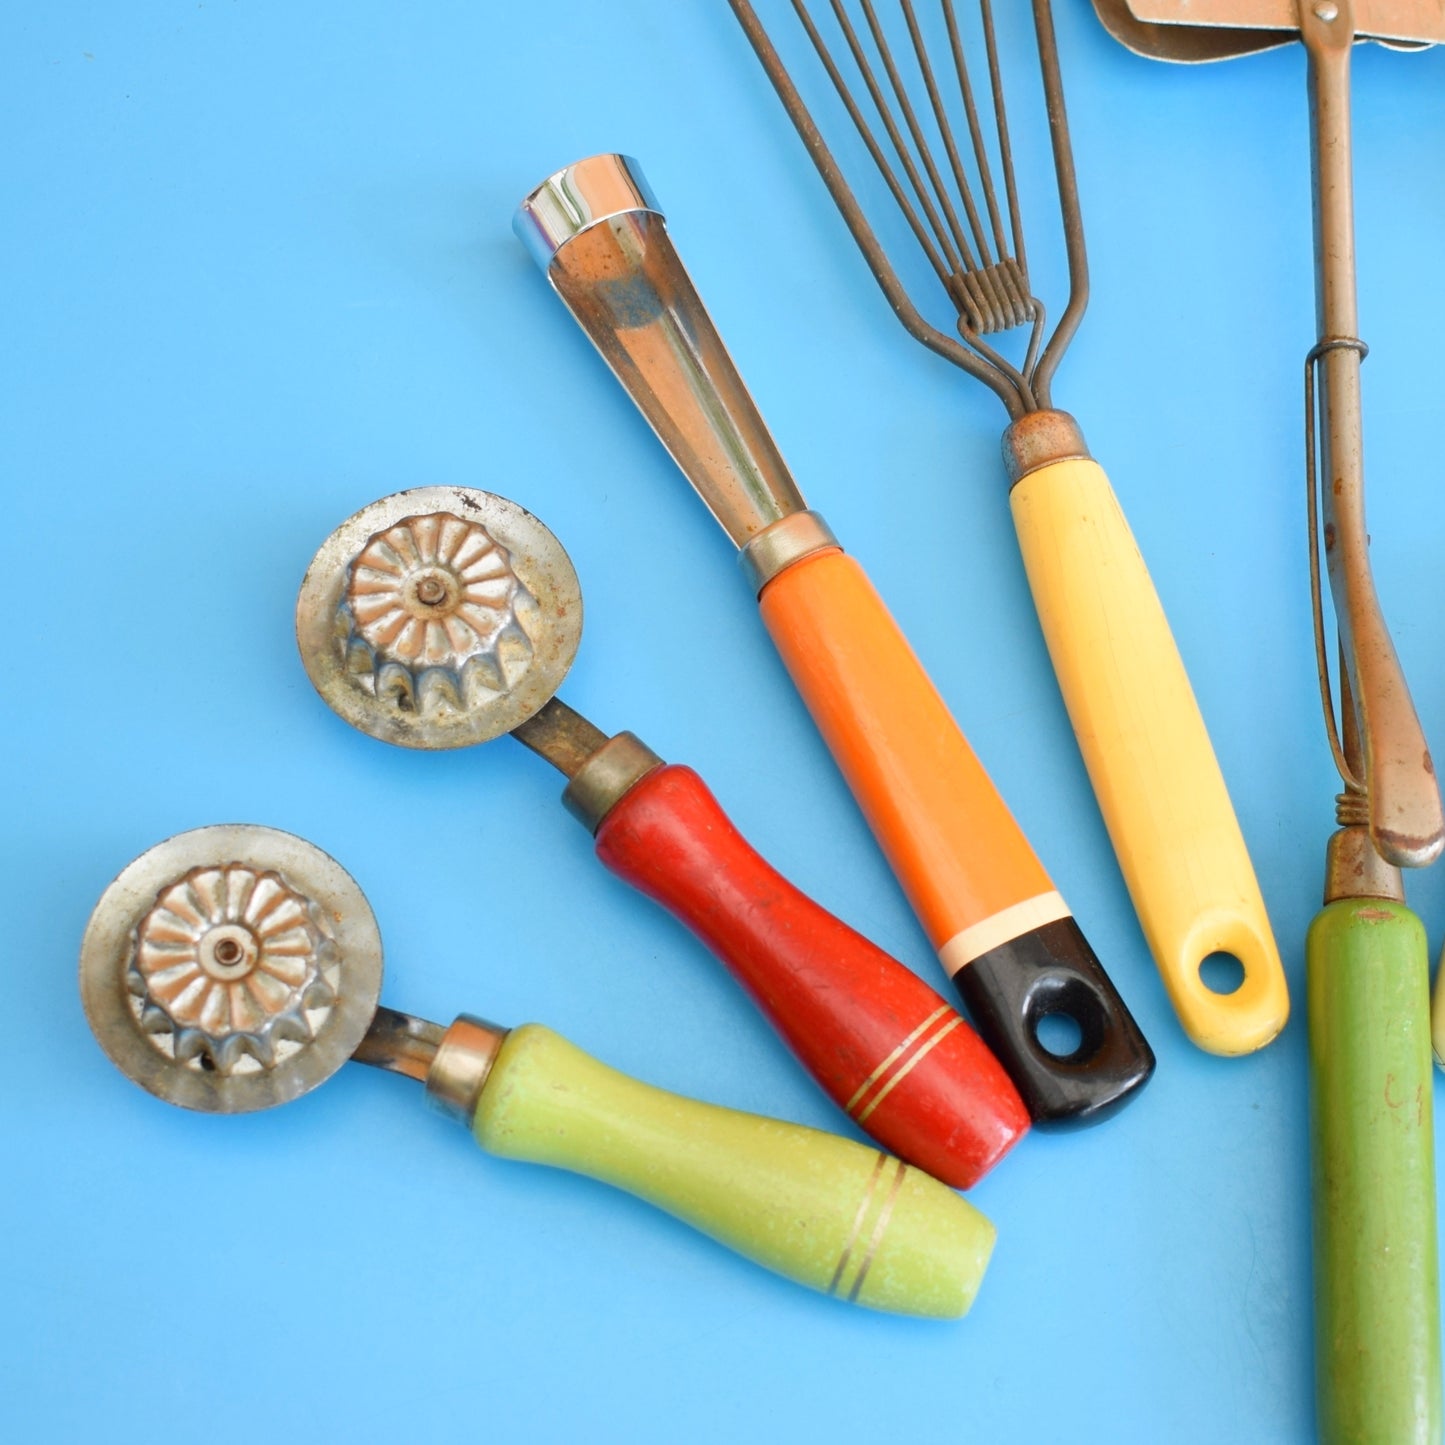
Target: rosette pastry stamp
{"type": "Point", "coordinates": [231, 968]}
{"type": "Point", "coordinates": [439, 617]}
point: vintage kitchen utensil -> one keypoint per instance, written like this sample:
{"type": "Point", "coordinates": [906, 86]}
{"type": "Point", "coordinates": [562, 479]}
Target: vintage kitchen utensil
{"type": "Point", "coordinates": [1144, 743]}
{"type": "Point", "coordinates": [443, 616]}
{"type": "Point", "coordinates": [1002, 931]}
{"type": "Point", "coordinates": [1377, 1339]}
{"type": "Point", "coordinates": [235, 967]}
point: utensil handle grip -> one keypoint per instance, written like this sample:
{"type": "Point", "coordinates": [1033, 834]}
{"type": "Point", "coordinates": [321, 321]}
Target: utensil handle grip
{"type": "Point", "coordinates": [1001, 929]}
{"type": "Point", "coordinates": [882, 1044]}
{"type": "Point", "coordinates": [1377, 1305]}
{"type": "Point", "coordinates": [831, 1214]}
{"type": "Point", "coordinates": [1148, 755]}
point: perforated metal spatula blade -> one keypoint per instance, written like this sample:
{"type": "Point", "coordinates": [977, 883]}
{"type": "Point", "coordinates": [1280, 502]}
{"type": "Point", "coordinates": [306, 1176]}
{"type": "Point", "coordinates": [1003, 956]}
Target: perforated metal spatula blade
{"type": "Point", "coordinates": [1413, 22]}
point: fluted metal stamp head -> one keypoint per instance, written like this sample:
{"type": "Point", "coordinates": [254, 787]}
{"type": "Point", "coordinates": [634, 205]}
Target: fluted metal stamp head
{"type": "Point", "coordinates": [439, 617]}
{"type": "Point", "coordinates": [231, 968]}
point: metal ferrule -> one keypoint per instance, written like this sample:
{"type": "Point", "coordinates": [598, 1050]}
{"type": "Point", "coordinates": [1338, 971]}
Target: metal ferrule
{"type": "Point", "coordinates": [1354, 869]}
{"type": "Point", "coordinates": [463, 1061]}
{"type": "Point", "coordinates": [1039, 439]}
{"type": "Point", "coordinates": [606, 777]}
{"type": "Point", "coordinates": [597, 232]}
{"type": "Point", "coordinates": [579, 196]}
{"type": "Point", "coordinates": [777, 547]}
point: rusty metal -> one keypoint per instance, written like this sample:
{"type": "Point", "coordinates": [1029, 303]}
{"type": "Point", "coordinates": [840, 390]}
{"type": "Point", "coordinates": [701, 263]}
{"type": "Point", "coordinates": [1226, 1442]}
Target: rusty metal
{"type": "Point", "coordinates": [446, 616]}
{"type": "Point", "coordinates": [439, 617]}
{"type": "Point", "coordinates": [973, 241]}
{"type": "Point", "coordinates": [231, 968]}
{"type": "Point", "coordinates": [606, 777]}
{"type": "Point", "coordinates": [242, 919]}
{"type": "Point", "coordinates": [778, 546]}
{"type": "Point", "coordinates": [1389, 766]}
{"type": "Point", "coordinates": [561, 735]}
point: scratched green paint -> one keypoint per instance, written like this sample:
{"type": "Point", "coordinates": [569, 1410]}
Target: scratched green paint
{"type": "Point", "coordinates": [1377, 1328]}
{"type": "Point", "coordinates": [789, 1197]}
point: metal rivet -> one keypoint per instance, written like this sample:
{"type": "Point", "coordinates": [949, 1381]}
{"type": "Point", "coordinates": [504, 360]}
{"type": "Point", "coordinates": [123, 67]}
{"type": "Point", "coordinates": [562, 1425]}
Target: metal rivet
{"type": "Point", "coordinates": [431, 590]}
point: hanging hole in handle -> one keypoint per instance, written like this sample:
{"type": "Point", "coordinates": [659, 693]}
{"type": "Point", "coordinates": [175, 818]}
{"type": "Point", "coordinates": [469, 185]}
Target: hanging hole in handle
{"type": "Point", "coordinates": [1060, 1035]}
{"type": "Point", "coordinates": [1065, 1018]}
{"type": "Point", "coordinates": [1221, 973]}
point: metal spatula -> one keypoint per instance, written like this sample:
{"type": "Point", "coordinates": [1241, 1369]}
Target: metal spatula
{"type": "Point", "coordinates": [1376, 1275]}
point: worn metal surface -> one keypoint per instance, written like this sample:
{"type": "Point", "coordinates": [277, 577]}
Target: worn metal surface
{"type": "Point", "coordinates": [972, 238]}
{"type": "Point", "coordinates": [463, 1061]}
{"type": "Point", "coordinates": [400, 1043]}
{"type": "Point", "coordinates": [614, 265]}
{"type": "Point", "coordinates": [1392, 770]}
{"type": "Point", "coordinates": [1414, 22]}
{"type": "Point", "coordinates": [606, 777]}
{"type": "Point", "coordinates": [787, 541]}
{"type": "Point", "coordinates": [231, 968]}
{"type": "Point", "coordinates": [1039, 440]}
{"type": "Point", "coordinates": [439, 617]}
{"type": "Point", "coordinates": [561, 735]}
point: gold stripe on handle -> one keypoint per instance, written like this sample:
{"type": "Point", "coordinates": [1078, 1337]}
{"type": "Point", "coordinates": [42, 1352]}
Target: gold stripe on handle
{"type": "Point", "coordinates": [862, 1214]}
{"type": "Point", "coordinates": [878, 1230]}
{"type": "Point", "coordinates": [896, 1054]}
{"type": "Point", "coordinates": [908, 1068]}
{"type": "Point", "coordinates": [981, 938]}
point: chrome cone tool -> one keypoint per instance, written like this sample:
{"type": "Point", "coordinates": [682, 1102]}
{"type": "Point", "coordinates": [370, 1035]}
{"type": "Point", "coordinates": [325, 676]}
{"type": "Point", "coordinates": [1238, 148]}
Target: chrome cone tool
{"type": "Point", "coordinates": [235, 967]}
{"type": "Point", "coordinates": [1003, 932]}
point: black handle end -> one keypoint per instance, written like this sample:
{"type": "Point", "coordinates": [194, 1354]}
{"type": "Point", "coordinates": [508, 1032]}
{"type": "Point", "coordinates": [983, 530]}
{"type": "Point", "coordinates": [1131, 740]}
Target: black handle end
{"type": "Point", "coordinates": [1051, 970]}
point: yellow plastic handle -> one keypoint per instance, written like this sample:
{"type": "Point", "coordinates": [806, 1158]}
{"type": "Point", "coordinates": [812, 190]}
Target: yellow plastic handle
{"type": "Point", "coordinates": [1148, 755]}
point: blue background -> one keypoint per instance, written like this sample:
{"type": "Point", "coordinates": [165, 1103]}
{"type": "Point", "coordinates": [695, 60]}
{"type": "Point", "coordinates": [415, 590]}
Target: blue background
{"type": "Point", "coordinates": [259, 272]}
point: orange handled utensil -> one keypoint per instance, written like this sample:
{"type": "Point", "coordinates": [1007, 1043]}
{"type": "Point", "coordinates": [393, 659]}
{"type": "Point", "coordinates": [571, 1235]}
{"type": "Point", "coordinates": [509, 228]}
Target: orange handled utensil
{"type": "Point", "coordinates": [1001, 928]}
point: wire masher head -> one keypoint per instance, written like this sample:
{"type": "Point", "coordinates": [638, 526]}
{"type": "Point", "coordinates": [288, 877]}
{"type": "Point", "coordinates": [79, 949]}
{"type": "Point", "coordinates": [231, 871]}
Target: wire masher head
{"type": "Point", "coordinates": [919, 116]}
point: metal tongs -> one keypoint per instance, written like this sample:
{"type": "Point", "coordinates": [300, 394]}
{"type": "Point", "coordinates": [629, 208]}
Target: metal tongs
{"type": "Point", "coordinates": [1377, 1326]}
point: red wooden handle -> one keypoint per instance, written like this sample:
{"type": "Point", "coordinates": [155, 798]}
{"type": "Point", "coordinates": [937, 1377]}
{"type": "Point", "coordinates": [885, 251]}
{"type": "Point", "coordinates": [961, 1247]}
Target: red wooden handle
{"type": "Point", "coordinates": [884, 1045]}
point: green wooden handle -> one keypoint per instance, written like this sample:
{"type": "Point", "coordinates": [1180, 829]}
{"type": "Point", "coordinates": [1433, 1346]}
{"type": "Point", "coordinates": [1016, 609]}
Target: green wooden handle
{"type": "Point", "coordinates": [1377, 1307]}
{"type": "Point", "coordinates": [831, 1214]}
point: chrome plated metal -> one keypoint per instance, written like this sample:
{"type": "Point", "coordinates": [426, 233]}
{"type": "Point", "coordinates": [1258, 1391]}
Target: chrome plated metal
{"type": "Point", "coordinates": [614, 266]}
{"type": "Point", "coordinates": [1391, 768]}
{"type": "Point", "coordinates": [231, 968]}
{"type": "Point", "coordinates": [439, 617]}
{"type": "Point", "coordinates": [1039, 440]}
{"type": "Point", "coordinates": [606, 777]}
{"type": "Point", "coordinates": [943, 184]}
{"type": "Point", "coordinates": [580, 196]}
{"type": "Point", "coordinates": [777, 547]}
{"type": "Point", "coordinates": [460, 1068]}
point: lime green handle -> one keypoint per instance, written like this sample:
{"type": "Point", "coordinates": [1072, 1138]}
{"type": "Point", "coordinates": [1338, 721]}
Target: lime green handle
{"type": "Point", "coordinates": [1377, 1306]}
{"type": "Point", "coordinates": [831, 1214]}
